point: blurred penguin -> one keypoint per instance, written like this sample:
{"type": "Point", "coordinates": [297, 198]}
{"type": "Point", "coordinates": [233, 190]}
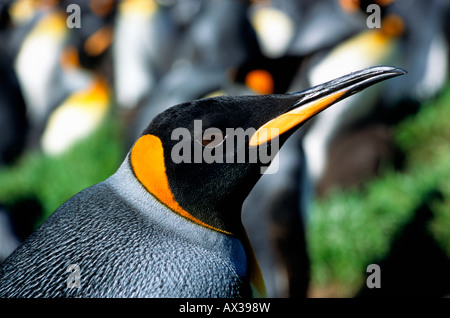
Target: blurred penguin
{"type": "Point", "coordinates": [37, 61]}
{"type": "Point", "coordinates": [278, 235]}
{"type": "Point", "coordinates": [347, 46]}
{"type": "Point", "coordinates": [216, 41]}
{"type": "Point", "coordinates": [13, 121]}
{"type": "Point", "coordinates": [370, 47]}
{"type": "Point", "coordinates": [58, 91]}
{"type": "Point", "coordinates": [82, 110]}
{"type": "Point", "coordinates": [94, 35]}
{"type": "Point", "coordinates": [282, 200]}
{"type": "Point", "coordinates": [299, 28]}
{"type": "Point", "coordinates": [420, 48]}
{"type": "Point", "coordinates": [275, 25]}
{"type": "Point", "coordinates": [145, 36]}
{"type": "Point", "coordinates": [274, 208]}
{"type": "Point", "coordinates": [323, 24]}
{"type": "Point", "coordinates": [219, 35]}
{"type": "Point", "coordinates": [182, 83]}
{"type": "Point", "coordinates": [424, 50]}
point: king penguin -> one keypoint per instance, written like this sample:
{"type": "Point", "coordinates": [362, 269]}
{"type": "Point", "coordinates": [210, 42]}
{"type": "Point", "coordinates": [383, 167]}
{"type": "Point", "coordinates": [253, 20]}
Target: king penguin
{"type": "Point", "coordinates": [164, 227]}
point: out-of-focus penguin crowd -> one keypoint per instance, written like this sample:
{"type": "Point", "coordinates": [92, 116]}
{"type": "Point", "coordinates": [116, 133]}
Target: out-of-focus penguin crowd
{"type": "Point", "coordinates": [67, 65]}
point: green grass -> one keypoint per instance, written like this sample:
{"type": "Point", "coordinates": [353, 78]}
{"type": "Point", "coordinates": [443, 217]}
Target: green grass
{"type": "Point", "coordinates": [51, 180]}
{"type": "Point", "coordinates": [350, 229]}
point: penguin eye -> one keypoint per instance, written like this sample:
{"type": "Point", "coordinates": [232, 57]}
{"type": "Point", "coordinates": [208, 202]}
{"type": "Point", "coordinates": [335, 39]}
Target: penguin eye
{"type": "Point", "coordinates": [211, 138]}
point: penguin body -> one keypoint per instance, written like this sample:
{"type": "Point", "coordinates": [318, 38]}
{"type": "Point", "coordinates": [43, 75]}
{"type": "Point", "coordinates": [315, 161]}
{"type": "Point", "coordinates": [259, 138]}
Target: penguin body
{"type": "Point", "coordinates": [36, 63]}
{"type": "Point", "coordinates": [160, 227]}
{"type": "Point", "coordinates": [144, 250]}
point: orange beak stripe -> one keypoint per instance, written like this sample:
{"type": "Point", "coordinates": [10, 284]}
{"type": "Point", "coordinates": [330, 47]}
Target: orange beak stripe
{"type": "Point", "coordinates": [291, 119]}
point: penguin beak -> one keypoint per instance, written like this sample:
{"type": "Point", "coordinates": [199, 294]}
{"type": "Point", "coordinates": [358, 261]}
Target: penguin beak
{"type": "Point", "coordinates": [316, 99]}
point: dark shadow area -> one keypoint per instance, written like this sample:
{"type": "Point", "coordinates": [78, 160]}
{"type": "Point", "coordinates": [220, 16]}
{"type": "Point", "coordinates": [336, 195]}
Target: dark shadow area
{"type": "Point", "coordinates": [17, 222]}
{"type": "Point", "coordinates": [288, 238]}
{"type": "Point", "coordinates": [359, 153]}
{"type": "Point", "coordinates": [24, 215]}
{"type": "Point", "coordinates": [416, 266]}
{"type": "Point", "coordinates": [357, 156]}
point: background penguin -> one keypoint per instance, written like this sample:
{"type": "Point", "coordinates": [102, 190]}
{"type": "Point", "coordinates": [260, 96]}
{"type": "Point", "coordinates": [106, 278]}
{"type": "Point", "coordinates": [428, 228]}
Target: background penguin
{"type": "Point", "coordinates": [323, 24]}
{"type": "Point", "coordinates": [94, 38]}
{"type": "Point", "coordinates": [355, 153]}
{"type": "Point", "coordinates": [60, 68]}
{"type": "Point", "coordinates": [215, 43]}
{"type": "Point", "coordinates": [13, 120]}
{"type": "Point", "coordinates": [370, 47]}
{"type": "Point", "coordinates": [284, 209]}
{"type": "Point", "coordinates": [142, 51]}
{"type": "Point", "coordinates": [220, 35]}
{"type": "Point", "coordinates": [280, 202]}
{"type": "Point", "coordinates": [37, 63]}
{"type": "Point", "coordinates": [161, 229]}
{"type": "Point", "coordinates": [401, 41]}
{"type": "Point", "coordinates": [172, 90]}
{"type": "Point", "coordinates": [300, 28]}
{"type": "Point", "coordinates": [84, 108]}
{"type": "Point", "coordinates": [424, 49]}
{"type": "Point", "coordinates": [273, 215]}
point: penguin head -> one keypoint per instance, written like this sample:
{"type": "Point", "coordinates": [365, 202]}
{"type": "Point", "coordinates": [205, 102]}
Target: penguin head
{"type": "Point", "coordinates": [202, 158]}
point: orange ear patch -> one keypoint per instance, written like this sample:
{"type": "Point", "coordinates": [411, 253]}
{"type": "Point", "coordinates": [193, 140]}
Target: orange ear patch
{"type": "Point", "coordinates": [99, 41]}
{"type": "Point", "coordinates": [147, 161]}
{"type": "Point", "coordinates": [349, 5]}
{"type": "Point", "coordinates": [261, 81]}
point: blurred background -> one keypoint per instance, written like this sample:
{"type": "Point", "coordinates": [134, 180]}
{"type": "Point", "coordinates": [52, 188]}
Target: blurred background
{"type": "Point", "coordinates": [365, 182]}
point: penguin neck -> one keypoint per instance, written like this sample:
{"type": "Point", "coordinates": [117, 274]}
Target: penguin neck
{"type": "Point", "coordinates": [124, 184]}
{"type": "Point", "coordinates": [146, 160]}
{"type": "Point", "coordinates": [236, 245]}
